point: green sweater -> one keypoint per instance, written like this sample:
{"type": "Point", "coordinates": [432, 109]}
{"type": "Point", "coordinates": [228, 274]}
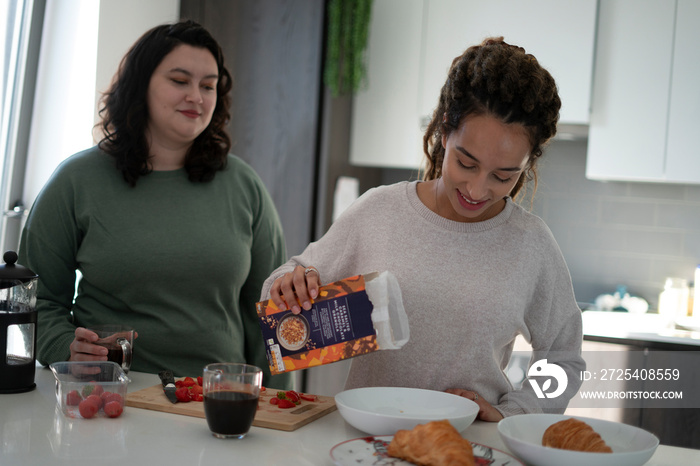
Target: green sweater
{"type": "Point", "coordinates": [182, 262]}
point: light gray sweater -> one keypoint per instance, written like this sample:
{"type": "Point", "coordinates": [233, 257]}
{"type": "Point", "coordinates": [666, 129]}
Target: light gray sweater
{"type": "Point", "coordinates": [468, 288]}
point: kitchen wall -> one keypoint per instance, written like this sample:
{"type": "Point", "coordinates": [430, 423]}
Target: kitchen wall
{"type": "Point", "coordinates": [273, 51]}
{"type": "Point", "coordinates": [613, 233]}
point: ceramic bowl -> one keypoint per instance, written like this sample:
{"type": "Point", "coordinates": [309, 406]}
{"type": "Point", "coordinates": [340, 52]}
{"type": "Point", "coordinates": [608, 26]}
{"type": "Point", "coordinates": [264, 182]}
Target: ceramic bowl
{"type": "Point", "coordinates": [522, 434]}
{"type": "Point", "coordinates": [384, 410]}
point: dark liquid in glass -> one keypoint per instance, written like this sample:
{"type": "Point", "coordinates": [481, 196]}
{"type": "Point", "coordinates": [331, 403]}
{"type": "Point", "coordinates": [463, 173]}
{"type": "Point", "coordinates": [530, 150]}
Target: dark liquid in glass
{"type": "Point", "coordinates": [229, 412]}
{"type": "Point", "coordinates": [115, 355]}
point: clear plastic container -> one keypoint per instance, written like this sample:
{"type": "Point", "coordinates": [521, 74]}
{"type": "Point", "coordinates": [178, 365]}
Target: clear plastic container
{"type": "Point", "coordinates": [75, 381]}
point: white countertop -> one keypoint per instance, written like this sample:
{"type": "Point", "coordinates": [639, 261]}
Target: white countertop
{"type": "Point", "coordinates": [644, 327]}
{"type": "Point", "coordinates": [32, 432]}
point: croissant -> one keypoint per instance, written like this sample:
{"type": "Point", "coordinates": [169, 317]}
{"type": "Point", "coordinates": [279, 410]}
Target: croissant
{"type": "Point", "coordinates": [436, 443]}
{"type": "Point", "coordinates": [573, 434]}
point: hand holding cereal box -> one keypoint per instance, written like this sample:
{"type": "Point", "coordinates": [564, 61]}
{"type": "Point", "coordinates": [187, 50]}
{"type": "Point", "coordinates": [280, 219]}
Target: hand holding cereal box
{"type": "Point", "coordinates": [350, 317]}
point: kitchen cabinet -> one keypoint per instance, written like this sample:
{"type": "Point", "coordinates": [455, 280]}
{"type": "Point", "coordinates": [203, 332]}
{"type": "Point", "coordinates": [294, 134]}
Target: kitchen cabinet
{"type": "Point", "coordinates": [385, 130]}
{"type": "Point", "coordinates": [645, 95]}
{"type": "Point", "coordinates": [413, 42]}
{"type": "Point", "coordinates": [682, 153]}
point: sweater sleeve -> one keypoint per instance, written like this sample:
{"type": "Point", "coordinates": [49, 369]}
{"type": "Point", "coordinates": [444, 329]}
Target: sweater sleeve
{"type": "Point", "coordinates": [556, 331]}
{"type": "Point", "coordinates": [48, 246]}
{"type": "Point", "coordinates": [332, 253]}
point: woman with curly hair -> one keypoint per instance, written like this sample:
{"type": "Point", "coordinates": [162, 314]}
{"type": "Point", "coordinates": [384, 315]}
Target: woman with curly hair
{"type": "Point", "coordinates": [475, 268]}
{"type": "Point", "coordinates": [171, 234]}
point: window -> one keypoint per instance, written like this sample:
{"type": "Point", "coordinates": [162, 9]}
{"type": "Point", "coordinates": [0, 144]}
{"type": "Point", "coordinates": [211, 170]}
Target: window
{"type": "Point", "coordinates": [21, 21]}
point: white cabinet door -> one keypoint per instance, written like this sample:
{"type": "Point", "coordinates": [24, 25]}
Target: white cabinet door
{"type": "Point", "coordinates": [386, 128]}
{"type": "Point", "coordinates": [627, 134]}
{"type": "Point", "coordinates": [560, 33]}
{"type": "Point", "coordinates": [683, 150]}
{"type": "Point", "coordinates": [645, 92]}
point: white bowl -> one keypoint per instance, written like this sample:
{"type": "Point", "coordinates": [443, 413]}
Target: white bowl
{"type": "Point", "coordinates": [522, 434]}
{"type": "Point", "coordinates": [384, 410]}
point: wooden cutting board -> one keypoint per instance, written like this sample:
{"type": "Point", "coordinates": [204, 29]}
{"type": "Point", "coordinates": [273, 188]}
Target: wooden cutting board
{"type": "Point", "coordinates": [268, 415]}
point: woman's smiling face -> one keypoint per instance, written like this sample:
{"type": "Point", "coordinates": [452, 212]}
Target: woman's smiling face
{"type": "Point", "coordinates": [182, 95]}
{"type": "Point", "coordinates": [483, 160]}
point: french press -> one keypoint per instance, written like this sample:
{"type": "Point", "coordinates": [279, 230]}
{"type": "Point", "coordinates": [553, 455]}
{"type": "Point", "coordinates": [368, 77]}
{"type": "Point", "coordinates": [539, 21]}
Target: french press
{"type": "Point", "coordinates": [18, 315]}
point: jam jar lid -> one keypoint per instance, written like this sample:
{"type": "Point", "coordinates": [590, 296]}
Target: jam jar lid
{"type": "Point", "coordinates": [11, 272]}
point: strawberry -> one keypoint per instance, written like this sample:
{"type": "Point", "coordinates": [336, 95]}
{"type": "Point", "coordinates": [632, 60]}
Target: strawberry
{"type": "Point", "coordinates": [95, 399]}
{"type": "Point", "coordinates": [183, 394]}
{"type": "Point", "coordinates": [105, 395]}
{"type": "Point", "coordinates": [274, 400]}
{"type": "Point", "coordinates": [113, 409]}
{"type": "Point", "coordinates": [306, 397]}
{"type": "Point", "coordinates": [73, 398]}
{"type": "Point", "coordinates": [200, 381]}
{"type": "Point", "coordinates": [93, 388]}
{"type": "Point", "coordinates": [188, 382]}
{"type": "Point", "coordinates": [87, 409]}
{"type": "Point", "coordinates": [292, 396]}
{"type": "Point", "coordinates": [112, 397]}
{"type": "Point", "coordinates": [285, 404]}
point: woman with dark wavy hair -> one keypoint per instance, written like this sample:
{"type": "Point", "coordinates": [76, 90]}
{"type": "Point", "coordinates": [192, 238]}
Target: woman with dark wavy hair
{"type": "Point", "coordinates": [171, 234]}
{"type": "Point", "coordinates": [475, 268]}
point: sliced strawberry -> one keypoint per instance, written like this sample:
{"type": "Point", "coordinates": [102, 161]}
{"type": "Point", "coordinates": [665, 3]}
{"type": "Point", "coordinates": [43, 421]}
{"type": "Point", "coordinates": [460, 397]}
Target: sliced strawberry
{"type": "Point", "coordinates": [183, 394]}
{"type": "Point", "coordinates": [306, 397]}
{"type": "Point", "coordinates": [285, 404]}
{"type": "Point", "coordinates": [292, 396]}
{"type": "Point", "coordinates": [188, 382]}
{"type": "Point", "coordinates": [274, 400]}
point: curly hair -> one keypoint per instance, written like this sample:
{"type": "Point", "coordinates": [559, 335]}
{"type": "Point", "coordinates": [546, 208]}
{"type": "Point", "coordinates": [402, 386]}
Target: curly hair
{"type": "Point", "coordinates": [499, 80]}
{"type": "Point", "coordinates": [125, 112]}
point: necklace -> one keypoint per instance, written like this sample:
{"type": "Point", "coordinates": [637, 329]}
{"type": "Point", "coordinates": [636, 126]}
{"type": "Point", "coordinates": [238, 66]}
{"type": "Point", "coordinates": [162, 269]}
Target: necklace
{"type": "Point", "coordinates": [437, 204]}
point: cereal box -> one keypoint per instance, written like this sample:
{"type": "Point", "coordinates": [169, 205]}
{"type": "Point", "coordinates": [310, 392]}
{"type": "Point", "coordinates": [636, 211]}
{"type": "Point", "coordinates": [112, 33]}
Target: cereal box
{"type": "Point", "coordinates": [347, 319]}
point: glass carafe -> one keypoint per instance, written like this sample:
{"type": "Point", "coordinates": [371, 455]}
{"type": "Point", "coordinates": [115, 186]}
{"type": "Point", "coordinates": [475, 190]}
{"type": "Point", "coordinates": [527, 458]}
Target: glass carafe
{"type": "Point", "coordinates": [17, 326]}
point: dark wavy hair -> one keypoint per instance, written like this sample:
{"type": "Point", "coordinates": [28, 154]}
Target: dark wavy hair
{"type": "Point", "coordinates": [499, 80]}
{"type": "Point", "coordinates": [125, 109]}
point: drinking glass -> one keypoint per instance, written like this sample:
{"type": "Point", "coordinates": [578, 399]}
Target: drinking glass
{"type": "Point", "coordinates": [119, 341]}
{"type": "Point", "coordinates": [231, 392]}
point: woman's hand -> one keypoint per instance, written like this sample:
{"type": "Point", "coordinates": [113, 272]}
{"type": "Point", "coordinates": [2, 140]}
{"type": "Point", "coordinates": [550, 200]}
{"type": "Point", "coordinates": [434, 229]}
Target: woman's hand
{"type": "Point", "coordinates": [486, 411]}
{"type": "Point", "coordinates": [297, 288]}
{"type": "Point", "coordinates": [83, 349]}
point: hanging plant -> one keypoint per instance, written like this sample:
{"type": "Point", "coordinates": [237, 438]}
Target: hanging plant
{"type": "Point", "coordinates": [348, 29]}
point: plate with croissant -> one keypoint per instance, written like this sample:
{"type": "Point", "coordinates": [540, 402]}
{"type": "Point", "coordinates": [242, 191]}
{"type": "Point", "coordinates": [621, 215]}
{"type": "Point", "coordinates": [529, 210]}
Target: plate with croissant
{"type": "Point", "coordinates": [436, 443]}
{"type": "Point", "coordinates": [557, 439]}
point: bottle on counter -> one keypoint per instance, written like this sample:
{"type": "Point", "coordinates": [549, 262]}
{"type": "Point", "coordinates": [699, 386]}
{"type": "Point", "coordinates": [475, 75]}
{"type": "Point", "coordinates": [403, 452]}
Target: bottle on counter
{"type": "Point", "coordinates": [673, 300]}
{"type": "Point", "coordinates": [696, 295]}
